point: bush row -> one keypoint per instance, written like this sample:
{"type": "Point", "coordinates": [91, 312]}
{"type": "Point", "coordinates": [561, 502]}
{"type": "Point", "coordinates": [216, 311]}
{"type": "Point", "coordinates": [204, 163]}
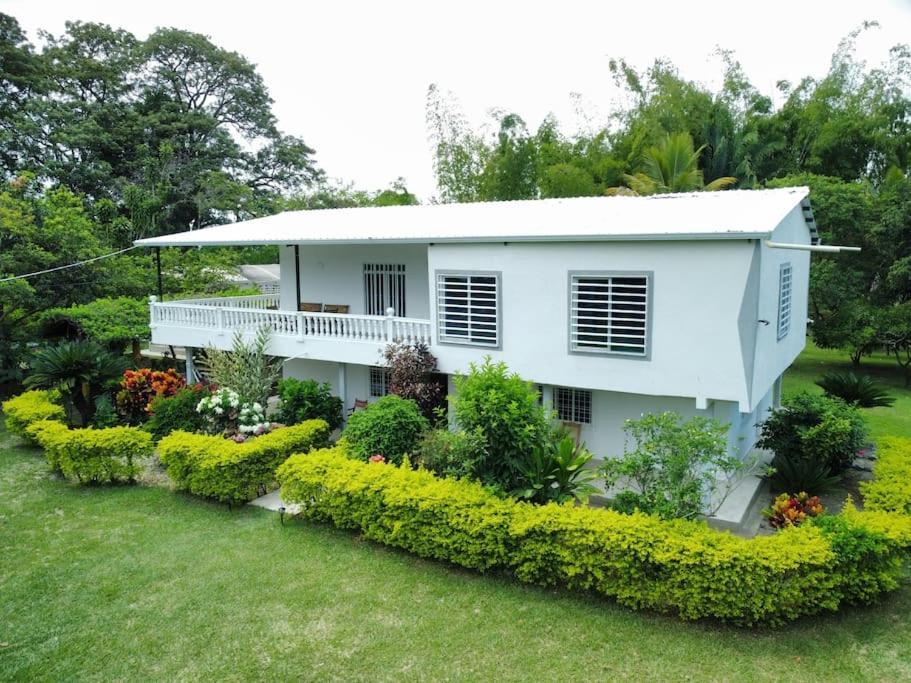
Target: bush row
{"type": "Point", "coordinates": [28, 408]}
{"type": "Point", "coordinates": [890, 491]}
{"type": "Point", "coordinates": [90, 455]}
{"type": "Point", "coordinates": [230, 472]}
{"type": "Point", "coordinates": [641, 561]}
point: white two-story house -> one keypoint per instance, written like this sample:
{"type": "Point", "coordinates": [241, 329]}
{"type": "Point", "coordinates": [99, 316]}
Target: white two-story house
{"type": "Point", "coordinates": [615, 306]}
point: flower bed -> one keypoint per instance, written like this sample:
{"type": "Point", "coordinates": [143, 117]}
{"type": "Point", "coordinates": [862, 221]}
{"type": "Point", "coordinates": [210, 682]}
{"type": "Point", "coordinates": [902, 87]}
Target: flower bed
{"type": "Point", "coordinates": [231, 472]}
{"type": "Point", "coordinates": [97, 456]}
{"type": "Point", "coordinates": [30, 407]}
{"type": "Point", "coordinates": [641, 561]}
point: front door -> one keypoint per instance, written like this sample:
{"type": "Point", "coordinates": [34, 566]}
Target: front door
{"type": "Point", "coordinates": [384, 287]}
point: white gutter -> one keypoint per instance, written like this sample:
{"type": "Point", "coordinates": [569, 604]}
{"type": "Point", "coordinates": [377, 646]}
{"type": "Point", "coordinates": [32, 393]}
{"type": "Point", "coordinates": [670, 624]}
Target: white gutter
{"type": "Point", "coordinates": [825, 248]}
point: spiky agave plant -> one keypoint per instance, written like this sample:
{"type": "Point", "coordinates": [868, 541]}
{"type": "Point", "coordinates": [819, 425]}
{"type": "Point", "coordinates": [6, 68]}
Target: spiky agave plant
{"type": "Point", "coordinates": [79, 370]}
{"type": "Point", "coordinates": [859, 390]}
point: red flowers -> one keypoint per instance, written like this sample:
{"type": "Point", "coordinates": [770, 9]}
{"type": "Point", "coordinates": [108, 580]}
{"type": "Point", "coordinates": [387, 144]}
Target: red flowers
{"type": "Point", "coordinates": [377, 458]}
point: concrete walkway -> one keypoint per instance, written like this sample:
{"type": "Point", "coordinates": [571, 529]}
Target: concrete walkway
{"type": "Point", "coordinates": [270, 501]}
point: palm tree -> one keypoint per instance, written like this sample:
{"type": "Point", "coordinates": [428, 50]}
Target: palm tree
{"type": "Point", "coordinates": [79, 370]}
{"type": "Point", "coordinates": [671, 166]}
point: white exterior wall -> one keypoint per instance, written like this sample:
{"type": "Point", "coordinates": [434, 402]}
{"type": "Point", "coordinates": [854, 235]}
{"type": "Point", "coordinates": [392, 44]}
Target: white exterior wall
{"type": "Point", "coordinates": [698, 287]}
{"type": "Point", "coordinates": [604, 436]}
{"type": "Point", "coordinates": [334, 274]}
{"type": "Point", "coordinates": [771, 356]}
{"type": "Point", "coordinates": [357, 377]}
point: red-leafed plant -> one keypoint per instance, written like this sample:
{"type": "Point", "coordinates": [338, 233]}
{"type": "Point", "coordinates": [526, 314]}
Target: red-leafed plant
{"type": "Point", "coordinates": [792, 510]}
{"type": "Point", "coordinates": [139, 388]}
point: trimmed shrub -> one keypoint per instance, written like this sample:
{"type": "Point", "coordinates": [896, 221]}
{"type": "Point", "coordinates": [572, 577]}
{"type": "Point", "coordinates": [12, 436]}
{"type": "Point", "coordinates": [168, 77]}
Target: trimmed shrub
{"type": "Point", "coordinates": [890, 491]}
{"type": "Point", "coordinates": [230, 472]}
{"type": "Point", "coordinates": [446, 519]}
{"type": "Point", "coordinates": [170, 413]}
{"type": "Point", "coordinates": [641, 561]}
{"type": "Point", "coordinates": [96, 456]}
{"type": "Point", "coordinates": [391, 427]}
{"type": "Point", "coordinates": [307, 399]}
{"type": "Point", "coordinates": [815, 427]}
{"type": "Point", "coordinates": [28, 408]}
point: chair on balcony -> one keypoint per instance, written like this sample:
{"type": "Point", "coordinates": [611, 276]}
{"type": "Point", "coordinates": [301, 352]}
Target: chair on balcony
{"type": "Point", "coordinates": [335, 308]}
{"type": "Point", "coordinates": [309, 308]}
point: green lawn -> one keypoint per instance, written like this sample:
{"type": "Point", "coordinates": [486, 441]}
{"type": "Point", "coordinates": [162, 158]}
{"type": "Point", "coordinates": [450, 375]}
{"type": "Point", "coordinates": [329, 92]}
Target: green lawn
{"type": "Point", "coordinates": [141, 583]}
{"type": "Point", "coordinates": [813, 362]}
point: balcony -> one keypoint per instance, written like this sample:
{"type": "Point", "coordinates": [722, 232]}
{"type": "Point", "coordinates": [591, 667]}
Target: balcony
{"type": "Point", "coordinates": [320, 336]}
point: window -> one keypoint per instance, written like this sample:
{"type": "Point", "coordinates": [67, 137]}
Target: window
{"type": "Point", "coordinates": [609, 313]}
{"type": "Point", "coordinates": [573, 405]}
{"type": "Point", "coordinates": [384, 287]}
{"type": "Point", "coordinates": [379, 382]}
{"type": "Point", "coordinates": [784, 300]}
{"type": "Point", "coordinates": [468, 308]}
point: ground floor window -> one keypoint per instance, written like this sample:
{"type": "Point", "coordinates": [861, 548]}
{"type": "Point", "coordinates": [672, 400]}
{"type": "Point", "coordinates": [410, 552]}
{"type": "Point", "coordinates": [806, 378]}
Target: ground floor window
{"type": "Point", "coordinates": [573, 405]}
{"type": "Point", "coordinates": [379, 382]}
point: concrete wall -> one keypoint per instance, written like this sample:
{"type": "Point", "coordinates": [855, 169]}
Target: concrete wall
{"type": "Point", "coordinates": [772, 357]}
{"type": "Point", "coordinates": [334, 274]}
{"type": "Point", "coordinates": [698, 287]}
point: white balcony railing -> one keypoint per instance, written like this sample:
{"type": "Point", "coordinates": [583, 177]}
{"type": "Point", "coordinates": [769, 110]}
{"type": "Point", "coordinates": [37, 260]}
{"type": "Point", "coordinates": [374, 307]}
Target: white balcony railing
{"type": "Point", "coordinates": [228, 314]}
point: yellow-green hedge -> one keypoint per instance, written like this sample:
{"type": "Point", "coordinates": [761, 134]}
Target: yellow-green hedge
{"type": "Point", "coordinates": [219, 468]}
{"type": "Point", "coordinates": [890, 491]}
{"type": "Point", "coordinates": [641, 561]}
{"type": "Point", "coordinates": [92, 455]}
{"type": "Point", "coordinates": [30, 407]}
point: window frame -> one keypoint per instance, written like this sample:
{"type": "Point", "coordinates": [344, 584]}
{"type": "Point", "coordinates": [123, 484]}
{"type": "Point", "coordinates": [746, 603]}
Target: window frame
{"type": "Point", "coordinates": [449, 340]}
{"type": "Point", "coordinates": [384, 374]}
{"type": "Point", "coordinates": [649, 276]}
{"type": "Point", "coordinates": [785, 267]}
{"type": "Point", "coordinates": [574, 390]}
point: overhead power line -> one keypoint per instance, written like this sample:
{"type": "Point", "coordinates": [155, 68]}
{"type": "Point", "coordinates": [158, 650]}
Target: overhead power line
{"type": "Point", "coordinates": [70, 265]}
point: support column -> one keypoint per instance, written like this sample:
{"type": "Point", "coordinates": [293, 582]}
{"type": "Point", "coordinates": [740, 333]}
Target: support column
{"type": "Point", "coordinates": [191, 368]}
{"type": "Point", "coordinates": [297, 276]}
{"type": "Point", "coordinates": [343, 386]}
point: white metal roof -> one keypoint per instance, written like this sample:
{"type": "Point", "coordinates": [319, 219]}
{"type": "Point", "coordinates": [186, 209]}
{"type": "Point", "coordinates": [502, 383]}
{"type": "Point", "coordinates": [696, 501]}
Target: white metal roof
{"type": "Point", "coordinates": [738, 214]}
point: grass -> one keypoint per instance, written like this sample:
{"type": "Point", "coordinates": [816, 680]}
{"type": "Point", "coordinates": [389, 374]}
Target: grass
{"type": "Point", "coordinates": [140, 583]}
{"type": "Point", "coordinates": [814, 362]}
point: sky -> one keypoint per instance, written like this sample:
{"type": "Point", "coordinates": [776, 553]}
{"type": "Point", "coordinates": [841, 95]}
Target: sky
{"type": "Point", "coordinates": [351, 78]}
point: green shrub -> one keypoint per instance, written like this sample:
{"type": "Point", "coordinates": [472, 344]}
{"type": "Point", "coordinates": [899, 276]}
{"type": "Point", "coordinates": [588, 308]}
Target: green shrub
{"type": "Point", "coordinates": [178, 412]}
{"type": "Point", "coordinates": [308, 400]}
{"type": "Point", "coordinates": [641, 561]}
{"type": "Point", "coordinates": [815, 427]}
{"type": "Point", "coordinates": [890, 491]}
{"type": "Point", "coordinates": [246, 368]}
{"type": "Point", "coordinates": [858, 390]}
{"type": "Point", "coordinates": [676, 465]}
{"type": "Point", "coordinates": [507, 410]}
{"type": "Point", "coordinates": [557, 471]}
{"type": "Point", "coordinates": [446, 519]}
{"type": "Point", "coordinates": [801, 474]}
{"type": "Point", "coordinates": [230, 472]}
{"type": "Point", "coordinates": [391, 427]}
{"type": "Point", "coordinates": [452, 454]}
{"type": "Point", "coordinates": [79, 370]}
{"type": "Point", "coordinates": [30, 407]}
{"type": "Point", "coordinates": [96, 456]}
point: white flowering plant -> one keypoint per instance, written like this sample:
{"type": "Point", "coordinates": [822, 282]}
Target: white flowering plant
{"type": "Point", "coordinates": [226, 413]}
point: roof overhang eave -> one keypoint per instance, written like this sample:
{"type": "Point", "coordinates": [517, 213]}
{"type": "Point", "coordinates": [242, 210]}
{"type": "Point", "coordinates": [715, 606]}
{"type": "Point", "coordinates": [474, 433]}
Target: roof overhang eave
{"type": "Point", "coordinates": [658, 237]}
